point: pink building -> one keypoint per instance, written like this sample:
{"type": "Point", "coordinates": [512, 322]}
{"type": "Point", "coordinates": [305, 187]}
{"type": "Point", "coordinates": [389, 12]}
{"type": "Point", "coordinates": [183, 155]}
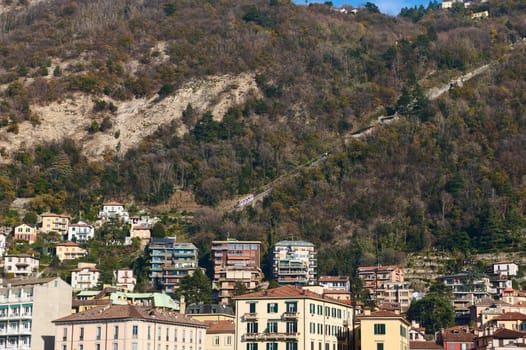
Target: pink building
{"type": "Point", "coordinates": [119, 327]}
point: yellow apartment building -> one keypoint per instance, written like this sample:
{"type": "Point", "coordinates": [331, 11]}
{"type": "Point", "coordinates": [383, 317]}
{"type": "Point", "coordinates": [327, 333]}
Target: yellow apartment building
{"type": "Point", "coordinates": [383, 330]}
{"type": "Point", "coordinates": [291, 318]}
{"type": "Point", "coordinates": [55, 223]}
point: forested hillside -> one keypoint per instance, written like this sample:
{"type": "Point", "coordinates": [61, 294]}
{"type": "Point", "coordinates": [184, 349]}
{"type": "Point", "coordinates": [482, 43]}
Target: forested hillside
{"type": "Point", "coordinates": [448, 174]}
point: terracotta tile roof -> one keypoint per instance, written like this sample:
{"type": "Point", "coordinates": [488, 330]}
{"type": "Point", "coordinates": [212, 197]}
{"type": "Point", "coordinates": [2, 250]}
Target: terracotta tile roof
{"type": "Point", "coordinates": [113, 312]}
{"type": "Point", "coordinates": [67, 244]}
{"type": "Point", "coordinates": [458, 334]}
{"type": "Point", "coordinates": [415, 345]}
{"type": "Point", "coordinates": [222, 326]}
{"type": "Point", "coordinates": [286, 292]}
{"type": "Point", "coordinates": [92, 269]}
{"type": "Point", "coordinates": [504, 333]}
{"type": "Point", "coordinates": [511, 316]}
{"type": "Point", "coordinates": [112, 203]}
{"type": "Point", "coordinates": [333, 278]}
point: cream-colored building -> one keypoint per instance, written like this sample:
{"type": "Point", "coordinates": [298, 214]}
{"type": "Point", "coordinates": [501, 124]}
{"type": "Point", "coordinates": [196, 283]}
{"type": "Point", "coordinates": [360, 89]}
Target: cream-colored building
{"type": "Point", "coordinates": [141, 232]}
{"type": "Point", "coordinates": [128, 327]}
{"type": "Point", "coordinates": [383, 330]}
{"type": "Point", "coordinates": [86, 276]}
{"type": "Point", "coordinates": [220, 335]}
{"type": "Point", "coordinates": [27, 308]}
{"type": "Point", "coordinates": [55, 223]}
{"type": "Point", "coordinates": [25, 232]}
{"type": "Point", "coordinates": [290, 318]}
{"type": "Point", "coordinates": [69, 251]}
{"type": "Point", "coordinates": [18, 265]}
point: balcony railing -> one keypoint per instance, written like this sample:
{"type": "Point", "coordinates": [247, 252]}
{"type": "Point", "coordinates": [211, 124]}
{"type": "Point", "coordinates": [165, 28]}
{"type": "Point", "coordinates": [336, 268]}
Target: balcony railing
{"type": "Point", "coordinates": [270, 336]}
{"type": "Point", "coordinates": [250, 316]}
{"type": "Point", "coordinates": [291, 315]}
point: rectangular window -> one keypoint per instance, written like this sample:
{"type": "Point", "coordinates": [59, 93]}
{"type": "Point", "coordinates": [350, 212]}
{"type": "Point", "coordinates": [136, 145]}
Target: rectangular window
{"type": "Point", "coordinates": [115, 346]}
{"type": "Point", "coordinates": [292, 306]}
{"type": "Point", "coordinates": [252, 346]}
{"type": "Point", "coordinates": [168, 334]}
{"type": "Point", "coordinates": [379, 346]}
{"type": "Point", "coordinates": [272, 327]}
{"type": "Point", "coordinates": [134, 346]}
{"type": "Point", "coordinates": [292, 327]}
{"type": "Point", "coordinates": [320, 310]}
{"type": "Point", "coordinates": [81, 335]}
{"type": "Point", "coordinates": [175, 334]}
{"type": "Point", "coordinates": [216, 340]}
{"type": "Point", "coordinates": [116, 332]}
{"type": "Point", "coordinates": [379, 328]}
{"type": "Point", "coordinates": [97, 346]}
{"type": "Point", "coordinates": [312, 308]}
{"type": "Point", "coordinates": [252, 327]}
{"type": "Point", "coordinates": [272, 346]}
{"type": "Point", "coordinates": [135, 331]}
{"type": "Point", "coordinates": [403, 331]}
{"type": "Point", "coordinates": [291, 345]}
{"type": "Point", "coordinates": [272, 307]}
{"type": "Point", "coordinates": [64, 334]}
{"type": "Point", "coordinates": [81, 346]}
{"type": "Point", "coordinates": [252, 308]}
{"type": "Point", "coordinates": [327, 311]}
{"type": "Point", "coordinates": [150, 332]}
{"type": "Point", "coordinates": [229, 340]}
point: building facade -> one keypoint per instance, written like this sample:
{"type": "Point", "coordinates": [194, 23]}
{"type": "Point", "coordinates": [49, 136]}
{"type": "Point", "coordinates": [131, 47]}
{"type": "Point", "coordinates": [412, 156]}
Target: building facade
{"type": "Point", "coordinates": [125, 278]}
{"type": "Point", "coordinates": [20, 265]}
{"type": "Point", "coordinates": [170, 261]}
{"type": "Point", "coordinates": [25, 232]}
{"type": "Point", "coordinates": [69, 251]}
{"type": "Point", "coordinates": [290, 318]}
{"type": "Point", "coordinates": [81, 232]}
{"type": "Point", "coordinates": [26, 310]}
{"type": "Point", "coordinates": [55, 223]}
{"type": "Point", "coordinates": [86, 276]}
{"type": "Point", "coordinates": [128, 327]}
{"type": "Point", "coordinates": [294, 262]}
{"type": "Point", "coordinates": [383, 330]}
{"type": "Point", "coordinates": [335, 283]}
{"type": "Point", "coordinates": [114, 210]}
{"type": "Point", "coordinates": [235, 262]}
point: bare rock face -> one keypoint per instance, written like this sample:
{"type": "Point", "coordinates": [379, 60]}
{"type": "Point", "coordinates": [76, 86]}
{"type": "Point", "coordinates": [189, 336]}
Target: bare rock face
{"type": "Point", "coordinates": [132, 121]}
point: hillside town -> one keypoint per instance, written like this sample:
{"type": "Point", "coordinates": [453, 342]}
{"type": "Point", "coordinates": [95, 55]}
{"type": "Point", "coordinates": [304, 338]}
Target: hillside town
{"type": "Point", "coordinates": [298, 309]}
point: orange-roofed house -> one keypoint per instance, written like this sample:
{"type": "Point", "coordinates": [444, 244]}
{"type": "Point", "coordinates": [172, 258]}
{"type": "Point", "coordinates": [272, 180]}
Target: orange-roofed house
{"type": "Point", "coordinates": [500, 338]}
{"type": "Point", "coordinates": [424, 345]}
{"type": "Point", "coordinates": [457, 338]}
{"type": "Point", "coordinates": [510, 320]}
{"type": "Point", "coordinates": [291, 318]}
{"type": "Point", "coordinates": [128, 327]}
{"type": "Point", "coordinates": [220, 335]}
{"type": "Point", "coordinates": [69, 251]}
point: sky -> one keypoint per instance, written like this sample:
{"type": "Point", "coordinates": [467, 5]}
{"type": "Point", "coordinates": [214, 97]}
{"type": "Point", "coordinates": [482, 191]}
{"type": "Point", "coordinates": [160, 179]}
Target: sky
{"type": "Point", "coordinates": [391, 7]}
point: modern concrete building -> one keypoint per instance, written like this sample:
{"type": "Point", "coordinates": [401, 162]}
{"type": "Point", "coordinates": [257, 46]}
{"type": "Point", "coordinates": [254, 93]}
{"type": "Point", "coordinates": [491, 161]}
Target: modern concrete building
{"type": "Point", "coordinates": [235, 262]}
{"type": "Point", "coordinates": [383, 330]}
{"type": "Point", "coordinates": [335, 283]}
{"type": "Point", "coordinates": [291, 318]}
{"type": "Point", "coordinates": [128, 327]}
{"type": "Point", "coordinates": [19, 265]}
{"type": "Point", "coordinates": [27, 308]}
{"type": "Point", "coordinates": [170, 261]}
{"type": "Point", "coordinates": [294, 262]}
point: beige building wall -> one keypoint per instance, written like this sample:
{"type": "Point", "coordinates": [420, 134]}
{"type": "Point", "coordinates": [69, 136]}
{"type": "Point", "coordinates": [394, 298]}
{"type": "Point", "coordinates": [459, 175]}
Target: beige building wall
{"type": "Point", "coordinates": [56, 223]}
{"type": "Point", "coordinates": [220, 341]}
{"type": "Point", "coordinates": [317, 323]}
{"type": "Point", "coordinates": [384, 332]}
{"type": "Point", "coordinates": [51, 301]}
{"type": "Point", "coordinates": [128, 334]}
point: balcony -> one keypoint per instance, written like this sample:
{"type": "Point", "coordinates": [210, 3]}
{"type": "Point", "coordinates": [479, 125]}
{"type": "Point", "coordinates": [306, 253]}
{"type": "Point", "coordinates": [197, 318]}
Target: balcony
{"type": "Point", "coordinates": [292, 315]}
{"type": "Point", "coordinates": [270, 336]}
{"type": "Point", "coordinates": [250, 316]}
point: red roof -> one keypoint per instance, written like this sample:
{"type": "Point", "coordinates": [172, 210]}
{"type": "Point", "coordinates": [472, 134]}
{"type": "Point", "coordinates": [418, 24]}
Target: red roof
{"type": "Point", "coordinates": [458, 334]}
{"type": "Point", "coordinates": [504, 333]}
{"type": "Point", "coordinates": [67, 244]}
{"type": "Point", "coordinates": [222, 326]}
{"type": "Point", "coordinates": [114, 312]}
{"type": "Point", "coordinates": [333, 278]}
{"type": "Point", "coordinates": [415, 345]}
{"type": "Point", "coordinates": [377, 268]}
{"type": "Point", "coordinates": [511, 316]}
{"type": "Point", "coordinates": [112, 203]}
{"type": "Point", "coordinates": [287, 291]}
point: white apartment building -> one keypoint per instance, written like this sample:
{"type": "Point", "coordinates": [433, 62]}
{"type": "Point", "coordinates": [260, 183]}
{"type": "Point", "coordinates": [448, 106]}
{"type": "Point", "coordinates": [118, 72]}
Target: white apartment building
{"type": "Point", "coordinates": [290, 318]}
{"type": "Point", "coordinates": [294, 262]}
{"type": "Point", "coordinates": [86, 276]}
{"type": "Point", "coordinates": [26, 310]}
{"type": "Point", "coordinates": [128, 327]}
{"type": "Point", "coordinates": [114, 210]}
{"type": "Point", "coordinates": [19, 265]}
{"type": "Point", "coordinates": [125, 278]}
{"type": "Point", "coordinates": [81, 232]}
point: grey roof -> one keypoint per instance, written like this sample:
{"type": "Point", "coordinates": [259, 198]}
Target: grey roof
{"type": "Point", "coordinates": [294, 243]}
{"type": "Point", "coordinates": [209, 309]}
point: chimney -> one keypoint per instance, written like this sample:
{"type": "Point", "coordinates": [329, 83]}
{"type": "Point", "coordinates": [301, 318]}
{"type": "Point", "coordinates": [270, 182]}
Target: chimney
{"type": "Point", "coordinates": [182, 305]}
